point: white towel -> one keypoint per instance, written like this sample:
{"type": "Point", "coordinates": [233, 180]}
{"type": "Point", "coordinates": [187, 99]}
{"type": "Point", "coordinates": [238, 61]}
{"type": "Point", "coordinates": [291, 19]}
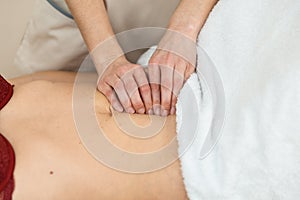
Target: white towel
{"type": "Point", "coordinates": [255, 46]}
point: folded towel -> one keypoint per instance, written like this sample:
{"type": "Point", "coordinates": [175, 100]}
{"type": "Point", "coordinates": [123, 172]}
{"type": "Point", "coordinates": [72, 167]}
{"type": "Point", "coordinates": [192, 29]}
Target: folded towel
{"type": "Point", "coordinates": [255, 47]}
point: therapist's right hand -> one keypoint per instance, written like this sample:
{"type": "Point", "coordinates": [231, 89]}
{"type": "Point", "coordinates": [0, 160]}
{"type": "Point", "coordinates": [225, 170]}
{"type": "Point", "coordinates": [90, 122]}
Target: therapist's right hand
{"type": "Point", "coordinates": [126, 87]}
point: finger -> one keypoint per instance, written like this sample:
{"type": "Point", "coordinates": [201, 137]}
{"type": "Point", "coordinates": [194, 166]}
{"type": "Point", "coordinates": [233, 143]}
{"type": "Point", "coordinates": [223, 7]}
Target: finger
{"type": "Point", "coordinates": [110, 94]}
{"type": "Point", "coordinates": [173, 104]}
{"type": "Point", "coordinates": [178, 79]}
{"type": "Point", "coordinates": [144, 88]}
{"type": "Point", "coordinates": [166, 88]}
{"type": "Point", "coordinates": [189, 70]}
{"type": "Point", "coordinates": [154, 78]}
{"type": "Point", "coordinates": [133, 93]}
{"type": "Point", "coordinates": [115, 82]}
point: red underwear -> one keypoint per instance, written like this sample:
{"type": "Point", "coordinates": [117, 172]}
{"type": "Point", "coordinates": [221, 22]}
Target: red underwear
{"type": "Point", "coordinates": [7, 156]}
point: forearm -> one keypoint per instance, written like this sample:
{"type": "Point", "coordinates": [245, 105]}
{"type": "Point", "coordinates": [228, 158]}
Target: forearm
{"type": "Point", "coordinates": [190, 16]}
{"type": "Point", "coordinates": [93, 22]}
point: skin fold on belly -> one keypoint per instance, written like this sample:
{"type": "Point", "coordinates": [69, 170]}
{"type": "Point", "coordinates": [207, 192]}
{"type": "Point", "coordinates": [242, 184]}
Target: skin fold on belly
{"type": "Point", "coordinates": [51, 161]}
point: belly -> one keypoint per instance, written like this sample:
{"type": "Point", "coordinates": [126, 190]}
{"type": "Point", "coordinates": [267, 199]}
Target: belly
{"type": "Point", "coordinates": [52, 163]}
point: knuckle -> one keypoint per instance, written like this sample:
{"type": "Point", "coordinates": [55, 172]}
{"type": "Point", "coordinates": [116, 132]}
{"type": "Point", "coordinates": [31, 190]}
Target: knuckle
{"type": "Point", "coordinates": [166, 104]}
{"type": "Point", "coordinates": [170, 58]}
{"type": "Point", "coordinates": [107, 94]}
{"type": "Point", "coordinates": [106, 79]}
{"type": "Point", "coordinates": [137, 104]}
{"type": "Point", "coordinates": [145, 89]}
{"type": "Point", "coordinates": [153, 60]}
{"type": "Point", "coordinates": [121, 71]}
{"type": "Point", "coordinates": [155, 87]}
{"type": "Point", "coordinates": [113, 101]}
{"type": "Point", "coordinates": [118, 86]}
{"type": "Point", "coordinates": [156, 101]}
{"type": "Point", "coordinates": [180, 68]}
{"type": "Point", "coordinates": [156, 98]}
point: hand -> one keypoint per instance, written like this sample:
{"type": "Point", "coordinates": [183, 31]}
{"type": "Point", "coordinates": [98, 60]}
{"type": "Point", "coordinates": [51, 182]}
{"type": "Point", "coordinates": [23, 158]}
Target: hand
{"type": "Point", "coordinates": [171, 64]}
{"type": "Point", "coordinates": [126, 86]}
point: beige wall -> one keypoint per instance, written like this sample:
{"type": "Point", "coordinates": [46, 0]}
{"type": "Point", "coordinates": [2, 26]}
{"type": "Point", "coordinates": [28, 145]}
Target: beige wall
{"type": "Point", "coordinates": [14, 15]}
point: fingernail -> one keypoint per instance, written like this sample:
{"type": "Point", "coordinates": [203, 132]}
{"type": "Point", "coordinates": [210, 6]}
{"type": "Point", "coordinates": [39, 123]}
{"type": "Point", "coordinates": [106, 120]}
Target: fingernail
{"type": "Point", "coordinates": [164, 113]}
{"type": "Point", "coordinates": [173, 111]}
{"type": "Point", "coordinates": [130, 110]}
{"type": "Point", "coordinates": [150, 112]}
{"type": "Point", "coordinates": [157, 111]}
{"type": "Point", "coordinates": [141, 111]}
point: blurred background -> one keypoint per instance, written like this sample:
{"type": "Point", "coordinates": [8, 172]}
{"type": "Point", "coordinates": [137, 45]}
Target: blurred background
{"type": "Point", "coordinates": [14, 15]}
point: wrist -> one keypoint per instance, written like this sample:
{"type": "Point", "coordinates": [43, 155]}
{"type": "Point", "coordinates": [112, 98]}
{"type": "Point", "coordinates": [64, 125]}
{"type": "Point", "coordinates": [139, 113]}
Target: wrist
{"type": "Point", "coordinates": [107, 53]}
{"type": "Point", "coordinates": [180, 44]}
{"type": "Point", "coordinates": [190, 16]}
{"type": "Point", "coordinates": [122, 60]}
{"type": "Point", "coordinates": [188, 26]}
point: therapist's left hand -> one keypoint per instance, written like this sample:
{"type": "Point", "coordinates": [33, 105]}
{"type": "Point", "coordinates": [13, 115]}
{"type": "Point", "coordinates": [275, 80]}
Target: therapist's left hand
{"type": "Point", "coordinates": [169, 67]}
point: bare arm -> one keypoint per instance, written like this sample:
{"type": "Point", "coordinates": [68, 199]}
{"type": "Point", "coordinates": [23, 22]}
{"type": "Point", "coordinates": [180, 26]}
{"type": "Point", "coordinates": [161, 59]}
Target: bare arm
{"type": "Point", "coordinates": [119, 80]}
{"type": "Point", "coordinates": [190, 16]}
{"type": "Point", "coordinates": [92, 20]}
{"type": "Point", "coordinates": [174, 68]}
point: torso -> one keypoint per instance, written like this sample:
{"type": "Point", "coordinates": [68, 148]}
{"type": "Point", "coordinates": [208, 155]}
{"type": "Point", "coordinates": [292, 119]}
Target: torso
{"type": "Point", "coordinates": [52, 163]}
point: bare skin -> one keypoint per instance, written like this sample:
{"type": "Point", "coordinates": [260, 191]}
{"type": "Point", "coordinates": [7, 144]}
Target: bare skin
{"type": "Point", "coordinates": [51, 162]}
{"type": "Point", "coordinates": [167, 71]}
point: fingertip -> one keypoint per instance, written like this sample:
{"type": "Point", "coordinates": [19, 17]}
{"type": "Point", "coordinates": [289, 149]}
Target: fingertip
{"type": "Point", "coordinates": [113, 99]}
{"type": "Point", "coordinates": [141, 111]}
{"type": "Point", "coordinates": [164, 113]}
{"type": "Point", "coordinates": [118, 107]}
{"type": "Point", "coordinates": [150, 112]}
{"type": "Point", "coordinates": [156, 110]}
{"type": "Point", "coordinates": [130, 110]}
{"type": "Point", "coordinates": [173, 111]}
